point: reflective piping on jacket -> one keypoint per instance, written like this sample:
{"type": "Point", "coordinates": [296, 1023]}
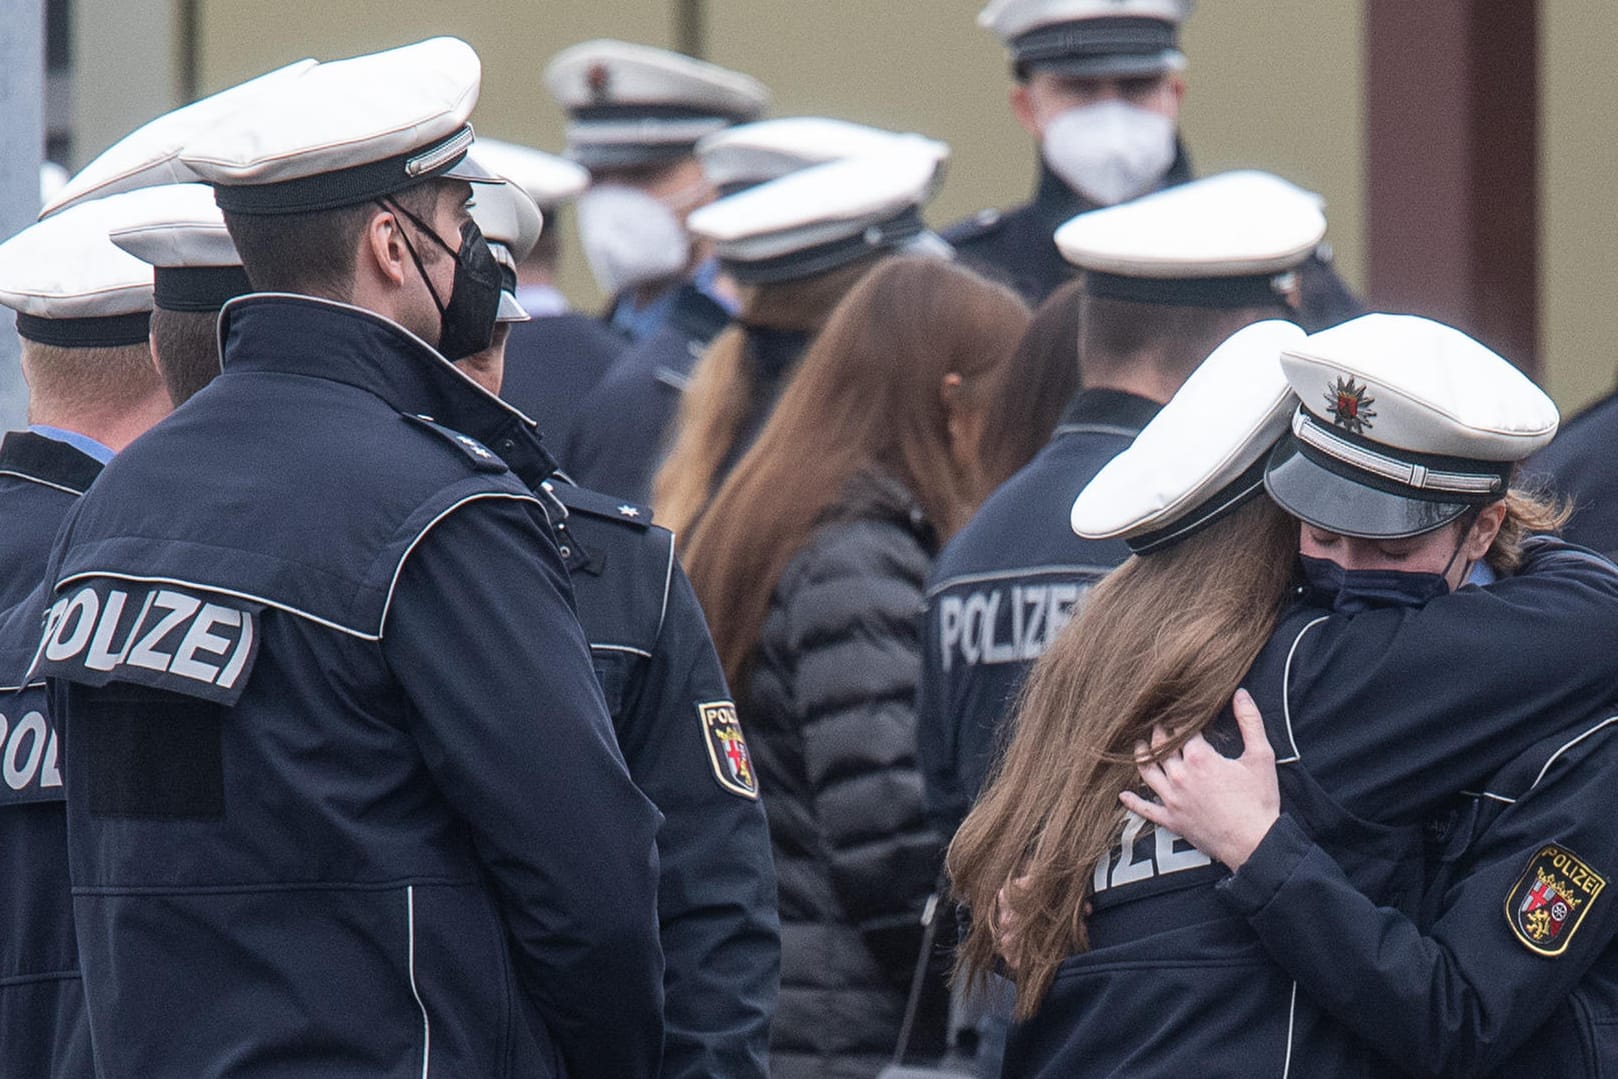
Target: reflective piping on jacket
{"type": "Point", "coordinates": [631, 649]}
{"type": "Point", "coordinates": [42, 483]}
{"type": "Point", "coordinates": [426, 1025]}
{"type": "Point", "coordinates": [1094, 429]}
{"type": "Point", "coordinates": [361, 634]}
{"type": "Point", "coordinates": [1569, 745]}
{"type": "Point", "coordinates": [1292, 1017]}
{"type": "Point", "coordinates": [668, 581]}
{"type": "Point", "coordinates": [1286, 692]}
{"type": "Point", "coordinates": [1018, 574]}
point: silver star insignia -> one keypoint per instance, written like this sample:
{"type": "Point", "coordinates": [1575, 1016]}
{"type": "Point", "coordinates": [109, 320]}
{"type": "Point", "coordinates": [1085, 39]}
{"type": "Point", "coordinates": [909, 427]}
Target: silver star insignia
{"type": "Point", "coordinates": [629, 511]}
{"type": "Point", "coordinates": [476, 447]}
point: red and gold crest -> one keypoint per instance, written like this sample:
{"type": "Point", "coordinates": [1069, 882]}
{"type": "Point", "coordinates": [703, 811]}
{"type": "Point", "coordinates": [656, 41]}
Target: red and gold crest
{"type": "Point", "coordinates": [1350, 408]}
{"type": "Point", "coordinates": [1551, 898]}
{"type": "Point", "coordinates": [727, 749]}
{"type": "Point", "coordinates": [598, 80]}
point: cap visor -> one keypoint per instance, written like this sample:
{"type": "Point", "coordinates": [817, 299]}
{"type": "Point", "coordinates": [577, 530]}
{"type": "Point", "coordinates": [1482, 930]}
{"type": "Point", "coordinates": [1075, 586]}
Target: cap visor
{"type": "Point", "coordinates": [1335, 503]}
{"type": "Point", "coordinates": [470, 171]}
{"type": "Point", "coordinates": [510, 309]}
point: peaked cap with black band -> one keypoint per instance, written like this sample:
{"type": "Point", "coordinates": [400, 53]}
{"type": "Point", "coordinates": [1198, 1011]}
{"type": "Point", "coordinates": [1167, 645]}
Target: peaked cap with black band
{"type": "Point", "coordinates": [150, 155]}
{"type": "Point", "coordinates": [510, 221]}
{"type": "Point", "coordinates": [750, 154]}
{"type": "Point", "coordinates": [548, 179]}
{"type": "Point", "coordinates": [182, 237]}
{"type": "Point", "coordinates": [1231, 240]}
{"type": "Point", "coordinates": [345, 132]}
{"type": "Point", "coordinates": [819, 218]}
{"type": "Point", "coordinates": [631, 105]}
{"type": "Point", "coordinates": [1202, 457]}
{"type": "Point", "coordinates": [70, 286]}
{"type": "Point", "coordinates": [1090, 38]}
{"type": "Point", "coordinates": [1405, 424]}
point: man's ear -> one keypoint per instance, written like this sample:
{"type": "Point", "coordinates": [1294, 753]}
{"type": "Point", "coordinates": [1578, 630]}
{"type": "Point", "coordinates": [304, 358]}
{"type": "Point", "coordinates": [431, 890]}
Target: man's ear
{"type": "Point", "coordinates": [1022, 107]}
{"type": "Point", "coordinates": [382, 248]}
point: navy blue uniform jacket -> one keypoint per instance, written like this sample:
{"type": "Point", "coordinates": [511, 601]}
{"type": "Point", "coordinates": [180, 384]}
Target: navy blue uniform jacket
{"type": "Point", "coordinates": [343, 793]}
{"type": "Point", "coordinates": [43, 1028]}
{"type": "Point", "coordinates": [552, 364]}
{"type": "Point", "coordinates": [622, 428]}
{"type": "Point", "coordinates": [1003, 589]}
{"type": "Point", "coordinates": [1176, 982]}
{"type": "Point", "coordinates": [674, 717]}
{"type": "Point", "coordinates": [1582, 464]}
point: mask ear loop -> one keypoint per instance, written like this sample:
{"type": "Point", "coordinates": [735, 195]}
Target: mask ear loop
{"type": "Point", "coordinates": [404, 235]}
{"type": "Point", "coordinates": [1471, 518]}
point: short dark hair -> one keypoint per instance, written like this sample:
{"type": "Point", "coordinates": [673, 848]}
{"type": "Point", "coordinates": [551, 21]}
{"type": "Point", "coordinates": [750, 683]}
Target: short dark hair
{"type": "Point", "coordinates": [186, 347]}
{"type": "Point", "coordinates": [313, 253]}
{"type": "Point", "coordinates": [1114, 333]}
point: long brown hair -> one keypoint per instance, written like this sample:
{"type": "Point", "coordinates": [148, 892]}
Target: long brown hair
{"type": "Point", "coordinates": [715, 406]}
{"type": "Point", "coordinates": [868, 395]}
{"type": "Point", "coordinates": [1164, 640]}
{"type": "Point", "coordinates": [1026, 397]}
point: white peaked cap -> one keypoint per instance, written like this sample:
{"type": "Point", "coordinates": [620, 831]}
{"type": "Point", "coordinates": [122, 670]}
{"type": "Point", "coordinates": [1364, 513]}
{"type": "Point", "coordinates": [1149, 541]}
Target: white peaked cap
{"type": "Point", "coordinates": [52, 178]}
{"type": "Point", "coordinates": [1405, 423]}
{"type": "Point", "coordinates": [549, 179]}
{"type": "Point", "coordinates": [346, 131]}
{"type": "Point", "coordinates": [1202, 456]}
{"type": "Point", "coordinates": [70, 285]}
{"type": "Point", "coordinates": [770, 149]}
{"type": "Point", "coordinates": [149, 155]}
{"type": "Point", "coordinates": [821, 217]}
{"type": "Point", "coordinates": [634, 104]}
{"type": "Point", "coordinates": [182, 235]}
{"type": "Point", "coordinates": [1235, 223]}
{"type": "Point", "coordinates": [1090, 37]}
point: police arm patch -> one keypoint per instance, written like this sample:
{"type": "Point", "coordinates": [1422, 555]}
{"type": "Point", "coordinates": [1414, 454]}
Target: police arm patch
{"type": "Point", "coordinates": [1550, 899]}
{"type": "Point", "coordinates": [727, 749]}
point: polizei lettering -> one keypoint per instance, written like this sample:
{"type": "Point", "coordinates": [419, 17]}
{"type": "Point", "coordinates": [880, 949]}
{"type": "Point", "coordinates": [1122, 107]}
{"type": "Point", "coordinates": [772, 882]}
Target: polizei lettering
{"type": "Point", "coordinates": [1137, 857]}
{"type": "Point", "coordinates": [30, 764]}
{"type": "Point", "coordinates": [1006, 624]}
{"type": "Point", "coordinates": [159, 636]}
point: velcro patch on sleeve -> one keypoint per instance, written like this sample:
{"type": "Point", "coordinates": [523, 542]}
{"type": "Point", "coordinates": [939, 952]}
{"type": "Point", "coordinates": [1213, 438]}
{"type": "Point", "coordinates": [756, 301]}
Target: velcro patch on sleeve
{"type": "Point", "coordinates": [157, 635]}
{"type": "Point", "coordinates": [1550, 899]}
{"type": "Point", "coordinates": [727, 749]}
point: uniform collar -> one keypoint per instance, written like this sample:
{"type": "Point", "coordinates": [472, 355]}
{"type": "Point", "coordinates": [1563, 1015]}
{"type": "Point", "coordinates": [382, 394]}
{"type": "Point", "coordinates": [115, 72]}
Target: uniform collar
{"type": "Point", "coordinates": [81, 442]}
{"type": "Point", "coordinates": [1102, 407]}
{"type": "Point", "coordinates": [317, 338]}
{"type": "Point", "coordinates": [47, 461]}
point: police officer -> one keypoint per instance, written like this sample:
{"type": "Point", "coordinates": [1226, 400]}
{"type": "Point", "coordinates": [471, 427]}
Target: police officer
{"type": "Point", "coordinates": [350, 794]}
{"type": "Point", "coordinates": [635, 114]}
{"type": "Point", "coordinates": [1098, 86]}
{"type": "Point", "coordinates": [677, 727]}
{"type": "Point", "coordinates": [1168, 277]}
{"type": "Point", "coordinates": [558, 355]}
{"type": "Point", "coordinates": [82, 309]}
{"type": "Point", "coordinates": [1578, 465]}
{"type": "Point", "coordinates": [613, 455]}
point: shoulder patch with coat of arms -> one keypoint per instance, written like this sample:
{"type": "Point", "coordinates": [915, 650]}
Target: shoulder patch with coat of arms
{"type": "Point", "coordinates": [727, 749]}
{"type": "Point", "coordinates": [1550, 899]}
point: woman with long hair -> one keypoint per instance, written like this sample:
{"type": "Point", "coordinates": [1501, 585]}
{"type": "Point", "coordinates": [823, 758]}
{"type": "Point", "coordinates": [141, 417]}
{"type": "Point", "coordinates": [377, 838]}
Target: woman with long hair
{"type": "Point", "coordinates": [810, 564]}
{"type": "Point", "coordinates": [796, 245]}
{"type": "Point", "coordinates": [1125, 959]}
{"type": "Point", "coordinates": [1028, 395]}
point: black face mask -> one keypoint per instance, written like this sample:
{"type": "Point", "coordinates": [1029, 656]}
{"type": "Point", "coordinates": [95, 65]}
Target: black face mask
{"type": "Point", "coordinates": [1351, 591]}
{"type": "Point", "coordinates": [466, 321]}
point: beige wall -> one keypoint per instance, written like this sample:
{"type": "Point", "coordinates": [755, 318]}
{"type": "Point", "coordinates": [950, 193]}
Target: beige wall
{"type": "Point", "coordinates": [1578, 279]}
{"type": "Point", "coordinates": [125, 53]}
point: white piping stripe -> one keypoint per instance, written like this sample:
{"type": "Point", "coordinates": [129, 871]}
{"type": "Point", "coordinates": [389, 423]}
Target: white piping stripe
{"type": "Point", "coordinates": [1286, 694]}
{"type": "Point", "coordinates": [42, 483]}
{"type": "Point", "coordinates": [1094, 429]}
{"type": "Point", "coordinates": [387, 603]}
{"type": "Point", "coordinates": [1201, 519]}
{"type": "Point", "coordinates": [1018, 574]}
{"type": "Point", "coordinates": [248, 596]}
{"type": "Point", "coordinates": [1569, 745]}
{"type": "Point", "coordinates": [668, 580]}
{"type": "Point", "coordinates": [1493, 797]}
{"type": "Point", "coordinates": [1292, 1016]}
{"type": "Point", "coordinates": [631, 649]}
{"type": "Point", "coordinates": [19, 689]}
{"type": "Point", "coordinates": [426, 1026]}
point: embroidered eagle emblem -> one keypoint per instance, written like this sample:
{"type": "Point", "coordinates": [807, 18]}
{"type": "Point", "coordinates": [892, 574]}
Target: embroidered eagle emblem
{"type": "Point", "coordinates": [1348, 405]}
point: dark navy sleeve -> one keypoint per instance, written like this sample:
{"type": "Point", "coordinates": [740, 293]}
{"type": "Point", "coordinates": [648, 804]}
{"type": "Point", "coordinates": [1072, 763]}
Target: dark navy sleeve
{"type": "Point", "coordinates": [510, 719]}
{"type": "Point", "coordinates": [947, 801]}
{"type": "Point", "coordinates": [1459, 999]}
{"type": "Point", "coordinates": [717, 895]}
{"type": "Point", "coordinates": [1379, 713]}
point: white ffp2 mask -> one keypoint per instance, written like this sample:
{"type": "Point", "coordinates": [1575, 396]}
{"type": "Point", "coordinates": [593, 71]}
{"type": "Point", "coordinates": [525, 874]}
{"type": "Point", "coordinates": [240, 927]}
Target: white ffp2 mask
{"type": "Point", "coordinates": [1111, 151]}
{"type": "Point", "coordinates": [630, 238]}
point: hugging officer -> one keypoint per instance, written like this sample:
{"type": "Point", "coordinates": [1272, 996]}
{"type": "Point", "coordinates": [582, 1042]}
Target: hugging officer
{"type": "Point", "coordinates": [348, 798]}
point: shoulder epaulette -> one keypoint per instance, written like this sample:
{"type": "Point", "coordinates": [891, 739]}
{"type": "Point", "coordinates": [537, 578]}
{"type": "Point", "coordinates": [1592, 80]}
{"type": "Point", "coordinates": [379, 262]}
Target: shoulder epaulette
{"type": "Point", "coordinates": [482, 457]}
{"type": "Point", "coordinates": [595, 504]}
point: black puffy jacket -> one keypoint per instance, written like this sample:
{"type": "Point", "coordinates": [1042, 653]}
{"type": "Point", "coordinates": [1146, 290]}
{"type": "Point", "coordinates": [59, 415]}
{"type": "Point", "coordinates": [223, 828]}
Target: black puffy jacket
{"type": "Point", "coordinates": [832, 726]}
